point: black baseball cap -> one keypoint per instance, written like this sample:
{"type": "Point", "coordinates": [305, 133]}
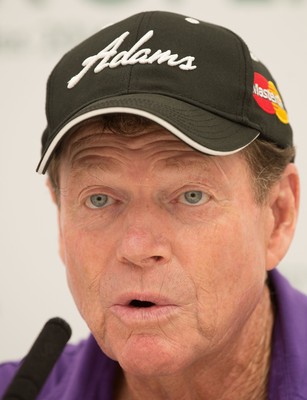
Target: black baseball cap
{"type": "Point", "coordinates": [196, 79]}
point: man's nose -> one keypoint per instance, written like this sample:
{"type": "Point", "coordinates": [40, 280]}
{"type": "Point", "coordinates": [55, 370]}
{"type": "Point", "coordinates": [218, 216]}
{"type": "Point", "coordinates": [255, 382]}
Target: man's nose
{"type": "Point", "coordinates": [144, 239]}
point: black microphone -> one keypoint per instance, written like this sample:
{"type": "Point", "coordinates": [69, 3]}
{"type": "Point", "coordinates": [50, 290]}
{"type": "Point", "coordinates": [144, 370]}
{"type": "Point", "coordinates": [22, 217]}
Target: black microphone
{"type": "Point", "coordinates": [38, 363]}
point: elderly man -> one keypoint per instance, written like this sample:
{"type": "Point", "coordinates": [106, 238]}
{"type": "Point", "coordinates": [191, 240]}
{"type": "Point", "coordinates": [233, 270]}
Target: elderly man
{"type": "Point", "coordinates": [170, 160]}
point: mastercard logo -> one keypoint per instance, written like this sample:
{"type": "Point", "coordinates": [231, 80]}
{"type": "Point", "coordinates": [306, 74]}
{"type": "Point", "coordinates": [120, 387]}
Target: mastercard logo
{"type": "Point", "coordinates": [268, 98]}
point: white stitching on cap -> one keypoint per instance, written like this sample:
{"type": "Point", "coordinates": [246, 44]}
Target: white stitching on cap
{"type": "Point", "coordinates": [192, 20]}
{"type": "Point", "coordinates": [255, 58]}
{"type": "Point", "coordinates": [111, 58]}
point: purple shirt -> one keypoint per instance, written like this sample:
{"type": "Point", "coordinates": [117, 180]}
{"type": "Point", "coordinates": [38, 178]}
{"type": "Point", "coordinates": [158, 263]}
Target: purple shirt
{"type": "Point", "coordinates": [84, 372]}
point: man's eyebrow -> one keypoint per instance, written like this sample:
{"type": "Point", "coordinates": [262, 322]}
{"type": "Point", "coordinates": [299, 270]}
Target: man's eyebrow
{"type": "Point", "coordinates": [95, 163]}
{"type": "Point", "coordinates": [181, 163]}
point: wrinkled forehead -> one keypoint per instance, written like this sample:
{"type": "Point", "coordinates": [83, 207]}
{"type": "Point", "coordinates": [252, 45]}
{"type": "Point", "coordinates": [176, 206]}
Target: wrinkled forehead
{"type": "Point", "coordinates": [127, 131]}
{"type": "Point", "coordinates": [115, 142]}
{"type": "Point", "coordinates": [109, 125]}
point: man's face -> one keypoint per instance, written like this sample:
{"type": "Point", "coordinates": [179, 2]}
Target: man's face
{"type": "Point", "coordinates": [165, 248]}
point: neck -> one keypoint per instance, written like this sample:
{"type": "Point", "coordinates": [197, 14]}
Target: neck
{"type": "Point", "coordinates": [240, 374]}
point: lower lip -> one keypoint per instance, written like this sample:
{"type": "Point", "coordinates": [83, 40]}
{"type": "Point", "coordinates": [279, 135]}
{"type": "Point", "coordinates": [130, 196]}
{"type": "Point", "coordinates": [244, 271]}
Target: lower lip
{"type": "Point", "coordinates": [130, 314]}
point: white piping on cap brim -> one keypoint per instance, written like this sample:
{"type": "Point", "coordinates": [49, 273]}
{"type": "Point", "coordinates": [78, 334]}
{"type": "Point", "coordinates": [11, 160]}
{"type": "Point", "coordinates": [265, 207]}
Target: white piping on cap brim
{"type": "Point", "coordinates": [135, 111]}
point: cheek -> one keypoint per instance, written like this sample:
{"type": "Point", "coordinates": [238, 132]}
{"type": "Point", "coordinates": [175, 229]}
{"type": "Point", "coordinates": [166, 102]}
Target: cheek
{"type": "Point", "coordinates": [83, 274]}
{"type": "Point", "coordinates": [229, 273]}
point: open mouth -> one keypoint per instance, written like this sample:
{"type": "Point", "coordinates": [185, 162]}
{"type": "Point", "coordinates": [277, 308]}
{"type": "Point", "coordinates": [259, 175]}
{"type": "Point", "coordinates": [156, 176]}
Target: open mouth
{"type": "Point", "coordinates": [143, 309]}
{"type": "Point", "coordinates": [141, 304]}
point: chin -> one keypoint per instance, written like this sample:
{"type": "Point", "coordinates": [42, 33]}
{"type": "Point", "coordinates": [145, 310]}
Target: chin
{"type": "Point", "coordinates": [150, 356]}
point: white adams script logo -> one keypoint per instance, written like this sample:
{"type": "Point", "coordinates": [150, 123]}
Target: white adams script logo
{"type": "Point", "coordinates": [111, 58]}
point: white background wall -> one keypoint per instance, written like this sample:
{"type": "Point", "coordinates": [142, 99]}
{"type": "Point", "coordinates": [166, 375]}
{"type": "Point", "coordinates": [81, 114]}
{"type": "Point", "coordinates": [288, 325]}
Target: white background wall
{"type": "Point", "coordinates": [34, 34]}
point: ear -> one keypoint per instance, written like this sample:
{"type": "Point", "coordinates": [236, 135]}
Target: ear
{"type": "Point", "coordinates": [55, 199]}
{"type": "Point", "coordinates": [284, 205]}
{"type": "Point", "coordinates": [52, 191]}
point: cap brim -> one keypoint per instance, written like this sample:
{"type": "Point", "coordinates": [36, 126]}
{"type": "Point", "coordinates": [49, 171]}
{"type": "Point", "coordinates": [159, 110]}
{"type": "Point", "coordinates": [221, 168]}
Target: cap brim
{"type": "Point", "coordinates": [205, 131]}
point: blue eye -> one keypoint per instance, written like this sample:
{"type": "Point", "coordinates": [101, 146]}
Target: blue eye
{"type": "Point", "coordinates": [194, 197]}
{"type": "Point", "coordinates": [98, 200]}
